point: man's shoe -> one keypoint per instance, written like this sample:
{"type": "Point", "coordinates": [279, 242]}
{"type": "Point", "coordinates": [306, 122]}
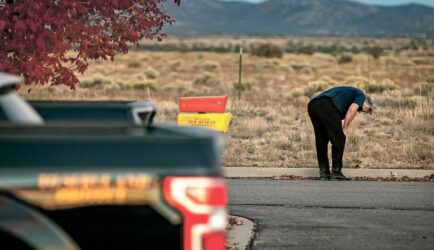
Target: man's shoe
{"type": "Point", "coordinates": [323, 178]}
{"type": "Point", "coordinates": [339, 177]}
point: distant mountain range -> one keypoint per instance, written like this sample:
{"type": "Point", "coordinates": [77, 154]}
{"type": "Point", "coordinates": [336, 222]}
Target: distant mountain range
{"type": "Point", "coordinates": [300, 17]}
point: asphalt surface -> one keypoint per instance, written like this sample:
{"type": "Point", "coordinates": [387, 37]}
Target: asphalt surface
{"type": "Point", "coordinates": [336, 215]}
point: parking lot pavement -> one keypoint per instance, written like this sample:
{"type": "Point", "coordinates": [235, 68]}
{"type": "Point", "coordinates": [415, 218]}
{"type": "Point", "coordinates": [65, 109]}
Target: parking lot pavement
{"type": "Point", "coordinates": [336, 215]}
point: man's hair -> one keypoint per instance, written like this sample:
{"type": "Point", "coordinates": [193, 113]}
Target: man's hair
{"type": "Point", "coordinates": [371, 104]}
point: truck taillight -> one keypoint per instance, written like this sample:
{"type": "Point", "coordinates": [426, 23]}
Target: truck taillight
{"type": "Point", "coordinates": [202, 202]}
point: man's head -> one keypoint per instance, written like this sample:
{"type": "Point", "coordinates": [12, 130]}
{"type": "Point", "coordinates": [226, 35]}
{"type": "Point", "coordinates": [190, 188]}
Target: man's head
{"type": "Point", "coordinates": [368, 105]}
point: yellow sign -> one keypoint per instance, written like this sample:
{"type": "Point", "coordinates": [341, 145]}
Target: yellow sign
{"type": "Point", "coordinates": [89, 180]}
{"type": "Point", "coordinates": [77, 189]}
{"type": "Point", "coordinates": [218, 122]}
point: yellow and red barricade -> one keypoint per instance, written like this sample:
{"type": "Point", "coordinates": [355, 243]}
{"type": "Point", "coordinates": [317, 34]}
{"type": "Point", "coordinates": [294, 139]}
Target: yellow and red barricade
{"type": "Point", "coordinates": [208, 112]}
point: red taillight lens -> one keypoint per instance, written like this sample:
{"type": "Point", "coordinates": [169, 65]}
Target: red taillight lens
{"type": "Point", "coordinates": [202, 202]}
{"type": "Point", "coordinates": [213, 196]}
{"type": "Point", "coordinates": [214, 241]}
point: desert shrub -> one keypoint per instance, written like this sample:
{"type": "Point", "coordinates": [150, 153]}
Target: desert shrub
{"type": "Point", "coordinates": [418, 150]}
{"type": "Point", "coordinates": [375, 52]}
{"type": "Point", "coordinates": [246, 85]}
{"type": "Point", "coordinates": [295, 136]}
{"type": "Point", "coordinates": [370, 132]}
{"type": "Point", "coordinates": [302, 68]}
{"type": "Point", "coordinates": [317, 86]}
{"type": "Point", "coordinates": [167, 111]}
{"type": "Point", "coordinates": [421, 61]}
{"type": "Point", "coordinates": [175, 65]}
{"type": "Point", "coordinates": [96, 81]}
{"type": "Point", "coordinates": [357, 81]}
{"type": "Point", "coordinates": [332, 49]}
{"type": "Point", "coordinates": [207, 80]}
{"type": "Point", "coordinates": [296, 92]}
{"type": "Point", "coordinates": [251, 127]}
{"type": "Point", "coordinates": [354, 141]}
{"type": "Point", "coordinates": [396, 102]}
{"type": "Point", "coordinates": [269, 64]}
{"type": "Point", "coordinates": [178, 88]}
{"type": "Point", "coordinates": [380, 87]}
{"type": "Point", "coordinates": [114, 87]}
{"type": "Point", "coordinates": [141, 86]}
{"type": "Point", "coordinates": [307, 50]}
{"type": "Point", "coordinates": [390, 60]}
{"type": "Point", "coordinates": [267, 50]}
{"type": "Point", "coordinates": [301, 100]}
{"type": "Point", "coordinates": [210, 66]}
{"type": "Point", "coordinates": [410, 102]}
{"type": "Point", "coordinates": [424, 88]}
{"type": "Point", "coordinates": [151, 73]}
{"type": "Point", "coordinates": [282, 142]}
{"type": "Point", "coordinates": [393, 93]}
{"type": "Point", "coordinates": [405, 62]}
{"type": "Point", "coordinates": [345, 59]}
{"type": "Point", "coordinates": [134, 65]}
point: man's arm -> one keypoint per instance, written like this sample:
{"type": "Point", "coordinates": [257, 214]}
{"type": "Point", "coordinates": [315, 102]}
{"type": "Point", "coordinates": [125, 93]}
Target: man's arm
{"type": "Point", "coordinates": [351, 113]}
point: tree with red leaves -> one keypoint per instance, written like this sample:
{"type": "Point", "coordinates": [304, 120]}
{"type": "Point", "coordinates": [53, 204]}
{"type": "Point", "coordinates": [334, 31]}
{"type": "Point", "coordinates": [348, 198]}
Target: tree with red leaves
{"type": "Point", "coordinates": [51, 40]}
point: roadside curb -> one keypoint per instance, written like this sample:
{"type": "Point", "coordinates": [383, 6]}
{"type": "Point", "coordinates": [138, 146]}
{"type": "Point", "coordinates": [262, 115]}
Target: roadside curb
{"type": "Point", "coordinates": [240, 236]}
{"type": "Point", "coordinates": [255, 172]}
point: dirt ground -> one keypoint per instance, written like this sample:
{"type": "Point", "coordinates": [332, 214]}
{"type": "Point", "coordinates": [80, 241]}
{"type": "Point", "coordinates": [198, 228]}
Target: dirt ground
{"type": "Point", "coordinates": [271, 127]}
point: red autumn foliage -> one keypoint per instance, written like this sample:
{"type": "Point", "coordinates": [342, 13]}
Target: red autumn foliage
{"type": "Point", "coordinates": [37, 37]}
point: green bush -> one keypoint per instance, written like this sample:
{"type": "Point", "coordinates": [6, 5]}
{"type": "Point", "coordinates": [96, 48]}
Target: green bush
{"type": "Point", "coordinates": [244, 86]}
{"type": "Point", "coordinates": [97, 81]}
{"type": "Point", "coordinates": [211, 65]}
{"type": "Point", "coordinates": [316, 87]}
{"type": "Point", "coordinates": [354, 140]}
{"type": "Point", "coordinates": [296, 92]}
{"type": "Point", "coordinates": [141, 86]}
{"type": "Point", "coordinates": [268, 50]}
{"type": "Point", "coordinates": [393, 102]}
{"type": "Point", "coordinates": [302, 68]}
{"type": "Point", "coordinates": [424, 88]}
{"type": "Point", "coordinates": [357, 81]}
{"type": "Point", "coordinates": [207, 80]}
{"type": "Point", "coordinates": [308, 50]}
{"type": "Point", "coordinates": [375, 52]}
{"type": "Point", "coordinates": [151, 73]}
{"type": "Point", "coordinates": [134, 65]}
{"type": "Point", "coordinates": [345, 59]}
{"type": "Point", "coordinates": [380, 86]}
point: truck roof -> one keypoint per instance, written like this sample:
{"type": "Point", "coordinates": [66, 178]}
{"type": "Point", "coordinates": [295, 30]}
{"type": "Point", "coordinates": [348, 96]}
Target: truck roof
{"type": "Point", "coordinates": [8, 80]}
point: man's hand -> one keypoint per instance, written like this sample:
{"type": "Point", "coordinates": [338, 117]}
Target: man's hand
{"type": "Point", "coordinates": [345, 133]}
{"type": "Point", "coordinates": [351, 113]}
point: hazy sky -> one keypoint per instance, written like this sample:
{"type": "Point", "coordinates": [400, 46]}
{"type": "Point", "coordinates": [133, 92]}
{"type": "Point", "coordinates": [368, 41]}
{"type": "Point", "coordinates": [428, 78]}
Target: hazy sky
{"type": "Point", "coordinates": [380, 2]}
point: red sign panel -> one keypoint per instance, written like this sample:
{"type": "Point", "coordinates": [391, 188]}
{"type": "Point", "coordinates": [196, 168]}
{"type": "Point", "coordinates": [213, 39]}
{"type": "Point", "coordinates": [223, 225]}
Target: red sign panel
{"type": "Point", "coordinates": [207, 104]}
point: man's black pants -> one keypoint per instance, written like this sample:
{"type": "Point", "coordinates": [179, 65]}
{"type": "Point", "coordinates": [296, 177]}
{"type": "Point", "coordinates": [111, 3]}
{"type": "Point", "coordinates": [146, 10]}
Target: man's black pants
{"type": "Point", "coordinates": [327, 124]}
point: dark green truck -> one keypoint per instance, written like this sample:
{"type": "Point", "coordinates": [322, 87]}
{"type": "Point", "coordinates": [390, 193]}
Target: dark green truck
{"type": "Point", "coordinates": [95, 182]}
{"type": "Point", "coordinates": [138, 112]}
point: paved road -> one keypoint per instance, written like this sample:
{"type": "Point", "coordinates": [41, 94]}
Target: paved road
{"type": "Point", "coordinates": [336, 215]}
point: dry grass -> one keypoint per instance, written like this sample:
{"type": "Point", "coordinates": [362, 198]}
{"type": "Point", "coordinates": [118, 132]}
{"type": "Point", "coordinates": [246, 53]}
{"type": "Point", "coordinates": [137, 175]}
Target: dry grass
{"type": "Point", "coordinates": [270, 126]}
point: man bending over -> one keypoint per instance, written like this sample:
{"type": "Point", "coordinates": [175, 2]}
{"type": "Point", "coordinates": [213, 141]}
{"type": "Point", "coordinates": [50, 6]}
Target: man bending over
{"type": "Point", "coordinates": [326, 111]}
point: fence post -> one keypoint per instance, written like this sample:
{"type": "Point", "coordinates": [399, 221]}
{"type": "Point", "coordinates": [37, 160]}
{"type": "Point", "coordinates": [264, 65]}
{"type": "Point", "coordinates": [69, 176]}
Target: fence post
{"type": "Point", "coordinates": [240, 74]}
